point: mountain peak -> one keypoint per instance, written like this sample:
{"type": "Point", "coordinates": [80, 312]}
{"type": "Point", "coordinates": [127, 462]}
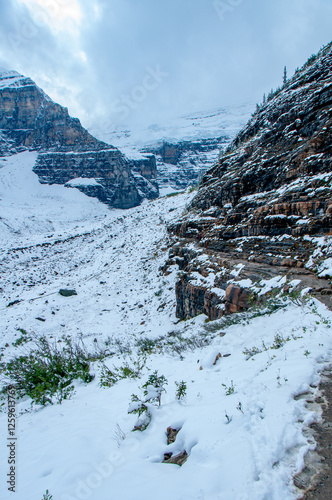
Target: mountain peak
{"type": "Point", "coordinates": [11, 78]}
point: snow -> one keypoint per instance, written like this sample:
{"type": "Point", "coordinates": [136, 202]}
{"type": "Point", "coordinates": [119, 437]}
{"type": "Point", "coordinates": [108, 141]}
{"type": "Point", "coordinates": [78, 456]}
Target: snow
{"type": "Point", "coordinates": [196, 126]}
{"type": "Point", "coordinates": [29, 209]}
{"type": "Point", "coordinates": [326, 268]}
{"type": "Point", "coordinates": [241, 425]}
{"type": "Point", "coordinates": [82, 181]}
{"type": "Point", "coordinates": [10, 78]}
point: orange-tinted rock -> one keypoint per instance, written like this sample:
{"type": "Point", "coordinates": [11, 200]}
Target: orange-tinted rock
{"type": "Point", "coordinates": [236, 299]}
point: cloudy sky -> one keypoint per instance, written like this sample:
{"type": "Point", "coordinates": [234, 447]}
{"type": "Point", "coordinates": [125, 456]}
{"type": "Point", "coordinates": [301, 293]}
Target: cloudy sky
{"type": "Point", "coordinates": [141, 61]}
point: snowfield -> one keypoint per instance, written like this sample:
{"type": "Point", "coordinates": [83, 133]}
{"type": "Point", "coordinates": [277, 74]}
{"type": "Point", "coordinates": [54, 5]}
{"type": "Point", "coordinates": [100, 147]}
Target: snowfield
{"type": "Point", "coordinates": [244, 420]}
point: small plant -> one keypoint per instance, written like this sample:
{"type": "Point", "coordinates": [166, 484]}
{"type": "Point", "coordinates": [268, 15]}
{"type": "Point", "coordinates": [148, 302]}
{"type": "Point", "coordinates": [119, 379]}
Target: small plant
{"type": "Point", "coordinates": [23, 339]}
{"type": "Point", "coordinates": [181, 390]}
{"type": "Point", "coordinates": [192, 188]}
{"type": "Point", "coordinates": [228, 418]}
{"type": "Point", "coordinates": [279, 341]}
{"type": "Point", "coordinates": [249, 353]}
{"type": "Point", "coordinates": [306, 353]}
{"type": "Point", "coordinates": [229, 390]}
{"type": "Point", "coordinates": [146, 345]}
{"type": "Point", "coordinates": [110, 377]}
{"type": "Point", "coordinates": [278, 377]}
{"type": "Point", "coordinates": [154, 387]}
{"type": "Point", "coordinates": [119, 435]}
{"type": "Point", "coordinates": [107, 377]}
{"type": "Point", "coordinates": [47, 496]}
{"type": "Point", "coordinates": [240, 407]}
{"type": "Point", "coordinates": [152, 391]}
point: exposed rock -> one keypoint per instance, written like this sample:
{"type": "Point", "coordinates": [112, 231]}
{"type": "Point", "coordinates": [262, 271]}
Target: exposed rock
{"type": "Point", "coordinates": [13, 303]}
{"type": "Point", "coordinates": [236, 299]}
{"type": "Point", "coordinates": [274, 179]}
{"type": "Point", "coordinates": [192, 300]}
{"type": "Point", "coordinates": [171, 434]}
{"type": "Point", "coordinates": [178, 459]}
{"type": "Point", "coordinates": [190, 158]}
{"type": "Point", "coordinates": [217, 358]}
{"type": "Point", "coordinates": [69, 155]}
{"type": "Point", "coordinates": [67, 293]}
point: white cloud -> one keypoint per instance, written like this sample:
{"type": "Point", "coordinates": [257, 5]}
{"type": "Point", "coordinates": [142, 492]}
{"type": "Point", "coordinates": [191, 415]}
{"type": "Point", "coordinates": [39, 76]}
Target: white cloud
{"type": "Point", "coordinates": [92, 53]}
{"type": "Point", "coordinates": [59, 15]}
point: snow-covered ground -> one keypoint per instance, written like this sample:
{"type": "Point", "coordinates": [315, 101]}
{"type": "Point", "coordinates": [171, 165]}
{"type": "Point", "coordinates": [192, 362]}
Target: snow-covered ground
{"type": "Point", "coordinates": [243, 421]}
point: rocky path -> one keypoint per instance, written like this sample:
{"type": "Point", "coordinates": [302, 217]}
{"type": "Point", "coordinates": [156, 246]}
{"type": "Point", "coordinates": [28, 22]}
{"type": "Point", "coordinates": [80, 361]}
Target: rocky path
{"type": "Point", "coordinates": [320, 287]}
{"type": "Point", "coordinates": [316, 477]}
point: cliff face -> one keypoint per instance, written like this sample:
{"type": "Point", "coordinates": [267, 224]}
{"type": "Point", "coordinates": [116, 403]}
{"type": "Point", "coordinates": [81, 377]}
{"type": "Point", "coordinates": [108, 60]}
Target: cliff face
{"type": "Point", "coordinates": [29, 119]}
{"type": "Point", "coordinates": [182, 163]}
{"type": "Point", "coordinates": [271, 192]}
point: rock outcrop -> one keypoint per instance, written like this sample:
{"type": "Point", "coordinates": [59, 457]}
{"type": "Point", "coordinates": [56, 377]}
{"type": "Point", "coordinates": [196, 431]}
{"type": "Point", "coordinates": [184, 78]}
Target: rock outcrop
{"type": "Point", "coordinates": [69, 155]}
{"type": "Point", "coordinates": [181, 163]}
{"type": "Point", "coordinates": [270, 195]}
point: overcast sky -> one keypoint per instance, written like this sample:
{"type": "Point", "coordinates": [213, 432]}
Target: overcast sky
{"type": "Point", "coordinates": [141, 61]}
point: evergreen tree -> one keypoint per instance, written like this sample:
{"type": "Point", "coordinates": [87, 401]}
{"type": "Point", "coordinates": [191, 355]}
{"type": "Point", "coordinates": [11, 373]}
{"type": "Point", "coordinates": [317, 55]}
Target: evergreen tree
{"type": "Point", "coordinates": [285, 76]}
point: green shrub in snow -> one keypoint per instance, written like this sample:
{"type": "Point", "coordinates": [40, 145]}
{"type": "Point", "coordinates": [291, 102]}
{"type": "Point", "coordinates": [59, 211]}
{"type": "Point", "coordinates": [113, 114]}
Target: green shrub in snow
{"type": "Point", "coordinates": [47, 372]}
{"type": "Point", "coordinates": [141, 406]}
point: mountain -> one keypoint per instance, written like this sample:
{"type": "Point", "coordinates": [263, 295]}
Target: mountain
{"type": "Point", "coordinates": [184, 147]}
{"type": "Point", "coordinates": [267, 202]}
{"type": "Point", "coordinates": [68, 154]}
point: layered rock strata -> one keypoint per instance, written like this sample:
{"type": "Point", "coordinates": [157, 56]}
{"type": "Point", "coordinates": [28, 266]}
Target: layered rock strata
{"type": "Point", "coordinates": [69, 155]}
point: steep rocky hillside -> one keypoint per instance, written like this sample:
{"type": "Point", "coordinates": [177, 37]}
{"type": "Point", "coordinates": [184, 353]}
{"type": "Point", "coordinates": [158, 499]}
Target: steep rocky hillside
{"type": "Point", "coordinates": [69, 155]}
{"type": "Point", "coordinates": [267, 203]}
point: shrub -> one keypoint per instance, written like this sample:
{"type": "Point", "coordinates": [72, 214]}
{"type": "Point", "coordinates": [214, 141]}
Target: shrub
{"type": "Point", "coordinates": [229, 390]}
{"type": "Point", "coordinates": [181, 390]}
{"type": "Point", "coordinates": [48, 370]}
{"type": "Point", "coordinates": [110, 377]}
{"type": "Point", "coordinates": [249, 353]}
{"type": "Point", "coordinates": [152, 391]}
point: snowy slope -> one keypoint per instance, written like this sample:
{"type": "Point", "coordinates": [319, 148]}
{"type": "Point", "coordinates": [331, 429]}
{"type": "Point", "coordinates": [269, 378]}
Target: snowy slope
{"type": "Point", "coordinates": [196, 126]}
{"type": "Point", "coordinates": [241, 424]}
{"type": "Point", "coordinates": [29, 209]}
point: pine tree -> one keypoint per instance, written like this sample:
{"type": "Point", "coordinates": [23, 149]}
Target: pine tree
{"type": "Point", "coordinates": [285, 76]}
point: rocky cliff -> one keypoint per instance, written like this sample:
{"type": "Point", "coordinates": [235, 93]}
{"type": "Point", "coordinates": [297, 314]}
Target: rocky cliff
{"type": "Point", "coordinates": [269, 197]}
{"type": "Point", "coordinates": [69, 155]}
{"type": "Point", "coordinates": [181, 163]}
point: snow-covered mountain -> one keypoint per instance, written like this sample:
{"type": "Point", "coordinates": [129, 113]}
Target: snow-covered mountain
{"type": "Point", "coordinates": [68, 154]}
{"type": "Point", "coordinates": [184, 147]}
